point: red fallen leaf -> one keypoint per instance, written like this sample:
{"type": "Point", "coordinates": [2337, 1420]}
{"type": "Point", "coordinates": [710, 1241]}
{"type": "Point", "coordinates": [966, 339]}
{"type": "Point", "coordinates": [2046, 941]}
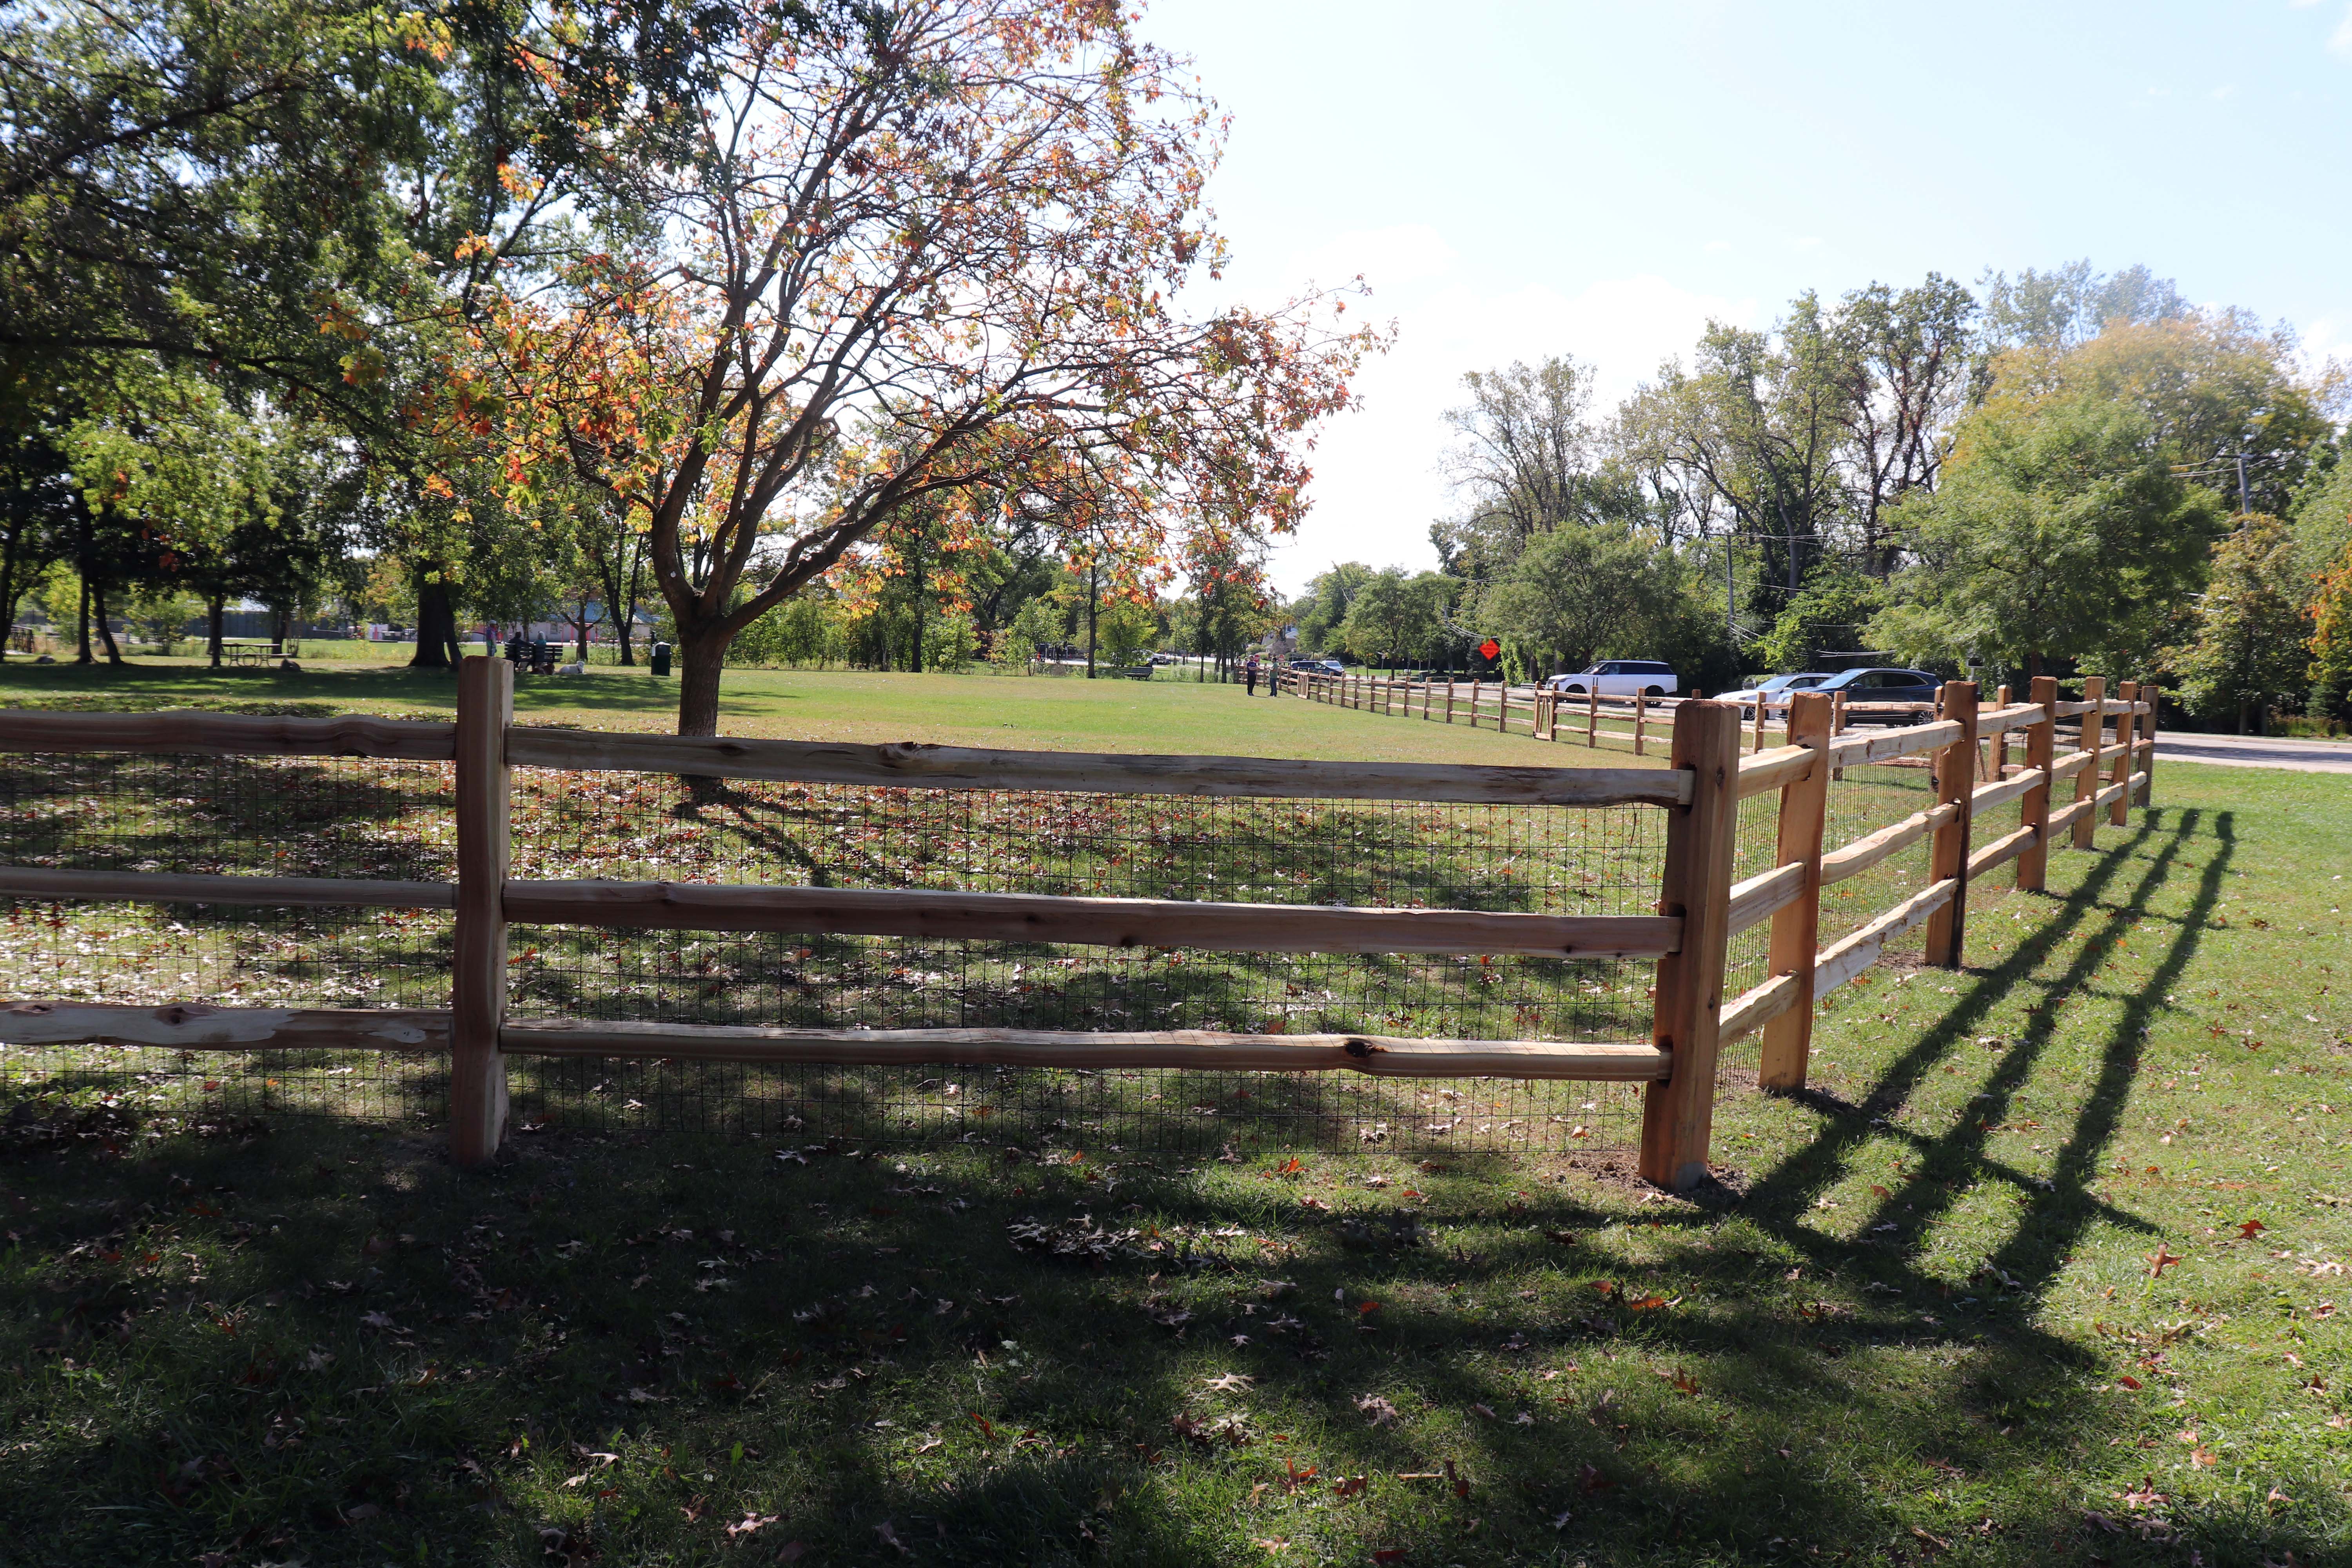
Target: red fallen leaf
{"type": "Point", "coordinates": [1388, 1554]}
{"type": "Point", "coordinates": [2131, 1382]}
{"type": "Point", "coordinates": [1290, 1168]}
{"type": "Point", "coordinates": [1368, 1307]}
{"type": "Point", "coordinates": [2160, 1259]}
{"type": "Point", "coordinates": [1877, 1190]}
{"type": "Point", "coordinates": [1589, 1480]}
{"type": "Point", "coordinates": [1350, 1486]}
{"type": "Point", "coordinates": [2201, 1459]}
{"type": "Point", "coordinates": [1683, 1382]}
{"type": "Point", "coordinates": [2251, 1229]}
{"type": "Point", "coordinates": [1461, 1487]}
{"type": "Point", "coordinates": [1649, 1304]}
{"type": "Point", "coordinates": [985, 1429]}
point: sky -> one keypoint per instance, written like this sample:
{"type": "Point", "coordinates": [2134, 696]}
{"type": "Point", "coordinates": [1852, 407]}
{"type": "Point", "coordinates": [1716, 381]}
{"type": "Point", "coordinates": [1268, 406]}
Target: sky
{"type": "Point", "coordinates": [1513, 181]}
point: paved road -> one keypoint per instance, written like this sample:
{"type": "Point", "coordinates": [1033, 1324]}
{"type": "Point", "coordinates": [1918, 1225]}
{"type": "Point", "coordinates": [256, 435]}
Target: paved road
{"type": "Point", "coordinates": [2256, 751]}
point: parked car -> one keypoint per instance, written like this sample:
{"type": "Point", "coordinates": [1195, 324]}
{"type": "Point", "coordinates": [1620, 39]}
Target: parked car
{"type": "Point", "coordinates": [1319, 666]}
{"type": "Point", "coordinates": [1621, 678]}
{"type": "Point", "coordinates": [1884, 685]}
{"type": "Point", "coordinates": [1774, 690]}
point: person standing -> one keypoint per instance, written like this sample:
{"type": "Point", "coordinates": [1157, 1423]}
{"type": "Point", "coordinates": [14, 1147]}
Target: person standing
{"type": "Point", "coordinates": [1249, 672]}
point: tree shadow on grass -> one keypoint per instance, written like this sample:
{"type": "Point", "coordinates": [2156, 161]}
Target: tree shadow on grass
{"type": "Point", "coordinates": [326, 1344]}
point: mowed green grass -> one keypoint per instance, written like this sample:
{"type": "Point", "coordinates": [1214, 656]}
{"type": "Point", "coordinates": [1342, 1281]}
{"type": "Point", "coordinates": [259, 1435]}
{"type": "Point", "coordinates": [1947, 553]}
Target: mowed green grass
{"type": "Point", "coordinates": [2049, 1267]}
{"type": "Point", "coordinates": [1020, 712]}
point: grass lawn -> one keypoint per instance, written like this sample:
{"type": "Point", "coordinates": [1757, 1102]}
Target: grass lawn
{"type": "Point", "coordinates": [1020, 712]}
{"type": "Point", "coordinates": [2047, 1267]}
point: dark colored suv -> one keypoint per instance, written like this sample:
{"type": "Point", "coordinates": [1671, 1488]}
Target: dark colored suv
{"type": "Point", "coordinates": [1884, 686]}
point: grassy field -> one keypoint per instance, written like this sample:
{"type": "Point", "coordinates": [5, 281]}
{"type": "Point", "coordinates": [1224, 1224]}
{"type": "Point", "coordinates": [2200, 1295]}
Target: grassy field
{"type": "Point", "coordinates": [2045, 1268]}
{"type": "Point", "coordinates": [1026, 713]}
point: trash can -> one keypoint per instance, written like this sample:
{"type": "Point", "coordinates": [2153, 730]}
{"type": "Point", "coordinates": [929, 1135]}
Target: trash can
{"type": "Point", "coordinates": [661, 658]}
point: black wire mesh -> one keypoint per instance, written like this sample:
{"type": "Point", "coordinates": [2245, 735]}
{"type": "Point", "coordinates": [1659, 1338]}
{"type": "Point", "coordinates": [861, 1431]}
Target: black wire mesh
{"type": "Point", "coordinates": [238, 816]}
{"type": "Point", "coordinates": [1299, 852]}
{"type": "Point", "coordinates": [356, 817]}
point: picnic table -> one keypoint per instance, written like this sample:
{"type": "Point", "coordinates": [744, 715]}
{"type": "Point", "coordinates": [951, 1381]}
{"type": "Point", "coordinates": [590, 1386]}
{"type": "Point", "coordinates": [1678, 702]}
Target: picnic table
{"type": "Point", "coordinates": [256, 651]}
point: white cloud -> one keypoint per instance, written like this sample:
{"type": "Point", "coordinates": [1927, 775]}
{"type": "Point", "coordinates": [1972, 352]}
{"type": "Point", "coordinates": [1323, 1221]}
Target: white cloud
{"type": "Point", "coordinates": [1377, 487]}
{"type": "Point", "coordinates": [2339, 42]}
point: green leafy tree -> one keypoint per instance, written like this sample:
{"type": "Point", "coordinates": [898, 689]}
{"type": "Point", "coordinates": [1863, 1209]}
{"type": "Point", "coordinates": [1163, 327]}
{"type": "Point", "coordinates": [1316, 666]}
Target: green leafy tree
{"type": "Point", "coordinates": [2059, 532]}
{"type": "Point", "coordinates": [1581, 594]}
{"type": "Point", "coordinates": [2250, 648]}
{"type": "Point", "coordinates": [1828, 616]}
{"type": "Point", "coordinates": [1323, 609]}
{"type": "Point", "coordinates": [1396, 616]}
{"type": "Point", "coordinates": [2330, 673]}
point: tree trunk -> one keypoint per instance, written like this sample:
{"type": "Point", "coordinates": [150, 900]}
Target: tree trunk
{"type": "Point", "coordinates": [437, 625]}
{"type": "Point", "coordinates": [701, 656]}
{"type": "Point", "coordinates": [628, 621]}
{"type": "Point", "coordinates": [105, 632]}
{"type": "Point", "coordinates": [81, 622]}
{"type": "Point", "coordinates": [582, 626]}
{"type": "Point", "coordinates": [1091, 598]}
{"type": "Point", "coordinates": [216, 605]}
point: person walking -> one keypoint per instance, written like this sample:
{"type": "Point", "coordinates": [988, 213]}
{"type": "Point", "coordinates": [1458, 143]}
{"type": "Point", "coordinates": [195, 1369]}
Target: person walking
{"type": "Point", "coordinates": [1250, 671]}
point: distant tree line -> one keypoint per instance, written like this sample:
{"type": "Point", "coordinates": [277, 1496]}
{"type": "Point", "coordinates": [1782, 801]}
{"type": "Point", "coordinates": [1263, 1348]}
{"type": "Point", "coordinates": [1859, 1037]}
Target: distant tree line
{"type": "Point", "coordinates": [2055, 472]}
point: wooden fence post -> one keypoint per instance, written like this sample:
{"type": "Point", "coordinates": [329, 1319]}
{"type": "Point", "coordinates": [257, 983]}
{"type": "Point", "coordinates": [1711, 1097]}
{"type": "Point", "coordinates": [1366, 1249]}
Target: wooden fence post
{"type": "Point", "coordinates": [478, 1073]}
{"type": "Point", "coordinates": [1997, 746]}
{"type": "Point", "coordinates": [1473, 702]}
{"type": "Point", "coordinates": [1449, 700]}
{"type": "Point", "coordinates": [1641, 716]}
{"type": "Point", "coordinates": [1837, 728]}
{"type": "Point", "coordinates": [1956, 769]}
{"type": "Point", "coordinates": [1797, 927]}
{"type": "Point", "coordinates": [2041, 747]}
{"type": "Point", "coordinates": [1758, 744]}
{"type": "Point", "coordinates": [1678, 1115]}
{"type": "Point", "coordinates": [2126, 748]}
{"type": "Point", "coordinates": [2152, 695]}
{"type": "Point", "coordinates": [2087, 783]}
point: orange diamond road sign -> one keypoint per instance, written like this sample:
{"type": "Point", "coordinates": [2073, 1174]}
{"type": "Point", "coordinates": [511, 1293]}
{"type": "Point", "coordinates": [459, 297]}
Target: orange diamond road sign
{"type": "Point", "coordinates": [1489, 649]}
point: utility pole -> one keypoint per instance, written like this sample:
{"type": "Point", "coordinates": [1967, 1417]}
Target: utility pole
{"type": "Point", "coordinates": [2243, 505]}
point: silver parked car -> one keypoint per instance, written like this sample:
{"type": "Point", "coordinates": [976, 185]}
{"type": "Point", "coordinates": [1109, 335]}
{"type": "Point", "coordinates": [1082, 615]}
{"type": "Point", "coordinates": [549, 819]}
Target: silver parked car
{"type": "Point", "coordinates": [1773, 691]}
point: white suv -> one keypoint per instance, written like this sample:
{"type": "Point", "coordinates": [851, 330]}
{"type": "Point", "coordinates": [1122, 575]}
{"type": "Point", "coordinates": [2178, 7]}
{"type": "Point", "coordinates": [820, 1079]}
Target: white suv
{"type": "Point", "coordinates": [1622, 678]}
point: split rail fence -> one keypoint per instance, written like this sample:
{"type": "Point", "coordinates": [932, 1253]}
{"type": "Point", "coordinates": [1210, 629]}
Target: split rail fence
{"type": "Point", "coordinates": [1698, 911]}
{"type": "Point", "coordinates": [1638, 721]}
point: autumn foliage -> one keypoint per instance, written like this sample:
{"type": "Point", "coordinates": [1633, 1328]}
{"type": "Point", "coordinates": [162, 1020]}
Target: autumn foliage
{"type": "Point", "coordinates": [929, 257]}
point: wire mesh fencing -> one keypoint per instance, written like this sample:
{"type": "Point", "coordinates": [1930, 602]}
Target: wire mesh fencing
{"type": "Point", "coordinates": [385, 820]}
{"type": "Point", "coordinates": [1295, 852]}
{"type": "Point", "coordinates": [235, 815]}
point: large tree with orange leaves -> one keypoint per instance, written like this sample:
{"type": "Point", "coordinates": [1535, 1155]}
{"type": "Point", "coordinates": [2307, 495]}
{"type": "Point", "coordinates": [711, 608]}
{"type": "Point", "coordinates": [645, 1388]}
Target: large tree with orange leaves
{"type": "Point", "coordinates": [918, 250]}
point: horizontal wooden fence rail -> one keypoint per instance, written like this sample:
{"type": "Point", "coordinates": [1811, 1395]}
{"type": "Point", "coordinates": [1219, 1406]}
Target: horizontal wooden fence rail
{"type": "Point", "coordinates": [1700, 909]}
{"type": "Point", "coordinates": [277, 892]}
{"type": "Point", "coordinates": [195, 733]}
{"type": "Point", "coordinates": [1100, 922]}
{"type": "Point", "coordinates": [911, 765]}
{"type": "Point", "coordinates": [1379, 1056]}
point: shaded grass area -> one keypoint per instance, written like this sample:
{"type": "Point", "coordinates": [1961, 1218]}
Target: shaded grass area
{"type": "Point", "coordinates": [1925, 1315]}
{"type": "Point", "coordinates": [1021, 712]}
